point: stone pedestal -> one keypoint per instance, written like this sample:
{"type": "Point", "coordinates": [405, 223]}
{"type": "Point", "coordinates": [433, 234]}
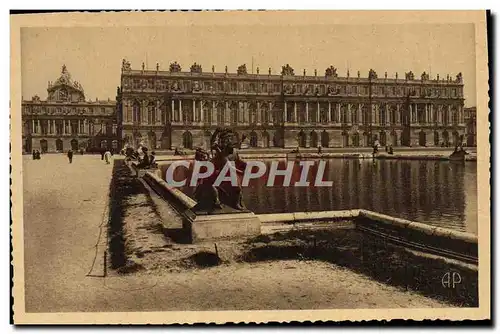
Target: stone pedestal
{"type": "Point", "coordinates": [217, 226]}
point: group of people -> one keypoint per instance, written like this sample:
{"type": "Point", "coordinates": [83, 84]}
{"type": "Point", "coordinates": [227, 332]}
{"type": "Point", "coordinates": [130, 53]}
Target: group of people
{"type": "Point", "coordinates": [142, 156]}
{"type": "Point", "coordinates": [36, 155]}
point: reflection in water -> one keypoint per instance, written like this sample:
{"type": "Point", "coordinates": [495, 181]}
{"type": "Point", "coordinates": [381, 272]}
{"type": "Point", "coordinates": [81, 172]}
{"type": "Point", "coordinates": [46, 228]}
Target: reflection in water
{"type": "Point", "coordinates": [434, 192]}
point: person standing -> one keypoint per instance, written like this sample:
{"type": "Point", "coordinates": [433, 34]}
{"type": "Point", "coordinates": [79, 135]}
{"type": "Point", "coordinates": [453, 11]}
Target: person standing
{"type": "Point", "coordinates": [70, 155]}
{"type": "Point", "coordinates": [107, 157]}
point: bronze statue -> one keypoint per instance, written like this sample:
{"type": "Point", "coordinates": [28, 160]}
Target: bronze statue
{"type": "Point", "coordinates": [209, 196]}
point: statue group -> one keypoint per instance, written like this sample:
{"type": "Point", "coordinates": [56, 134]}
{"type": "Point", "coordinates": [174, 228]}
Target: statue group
{"type": "Point", "coordinates": [225, 196]}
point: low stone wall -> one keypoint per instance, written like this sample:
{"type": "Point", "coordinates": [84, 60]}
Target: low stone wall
{"type": "Point", "coordinates": [177, 198]}
{"type": "Point", "coordinates": [297, 217]}
{"type": "Point", "coordinates": [427, 238]}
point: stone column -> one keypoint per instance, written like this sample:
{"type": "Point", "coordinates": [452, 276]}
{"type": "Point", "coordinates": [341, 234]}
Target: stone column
{"type": "Point", "coordinates": [64, 126]}
{"type": "Point", "coordinates": [307, 112]}
{"type": "Point", "coordinates": [360, 114]}
{"type": "Point", "coordinates": [33, 126]}
{"type": "Point", "coordinates": [201, 111]}
{"type": "Point", "coordinates": [269, 113]}
{"type": "Point", "coordinates": [349, 118]}
{"type": "Point", "coordinates": [214, 113]}
{"type": "Point", "coordinates": [227, 113]}
{"type": "Point", "coordinates": [172, 111]}
{"type": "Point", "coordinates": [78, 130]}
{"type": "Point", "coordinates": [339, 116]}
{"type": "Point", "coordinates": [259, 116]}
{"type": "Point", "coordinates": [329, 118]}
{"type": "Point", "coordinates": [285, 117]}
{"type": "Point", "coordinates": [181, 114]}
{"type": "Point", "coordinates": [398, 114]}
{"type": "Point", "coordinates": [317, 113]}
{"type": "Point", "coordinates": [448, 120]}
{"type": "Point", "coordinates": [194, 111]}
{"type": "Point", "coordinates": [295, 112]}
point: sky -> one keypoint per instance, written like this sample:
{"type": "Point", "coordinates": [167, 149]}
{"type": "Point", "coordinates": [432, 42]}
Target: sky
{"type": "Point", "coordinates": [93, 55]}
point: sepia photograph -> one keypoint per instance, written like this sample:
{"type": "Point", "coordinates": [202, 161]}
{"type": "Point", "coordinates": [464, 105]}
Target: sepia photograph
{"type": "Point", "coordinates": [213, 167]}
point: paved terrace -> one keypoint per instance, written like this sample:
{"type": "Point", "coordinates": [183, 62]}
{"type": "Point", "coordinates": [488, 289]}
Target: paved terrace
{"type": "Point", "coordinates": [64, 207]}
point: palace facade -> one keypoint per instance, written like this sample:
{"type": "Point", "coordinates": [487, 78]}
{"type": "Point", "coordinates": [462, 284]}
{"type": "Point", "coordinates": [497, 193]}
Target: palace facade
{"type": "Point", "coordinates": [176, 108]}
{"type": "Point", "coordinates": [65, 120]}
{"type": "Point", "coordinates": [470, 123]}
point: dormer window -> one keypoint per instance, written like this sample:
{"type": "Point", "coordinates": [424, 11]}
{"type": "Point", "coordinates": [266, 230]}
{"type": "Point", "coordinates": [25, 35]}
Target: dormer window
{"type": "Point", "coordinates": [63, 95]}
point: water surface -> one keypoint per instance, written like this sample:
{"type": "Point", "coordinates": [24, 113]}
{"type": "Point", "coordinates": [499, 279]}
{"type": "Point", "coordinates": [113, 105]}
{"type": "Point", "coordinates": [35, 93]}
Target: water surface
{"type": "Point", "coordinates": [433, 192]}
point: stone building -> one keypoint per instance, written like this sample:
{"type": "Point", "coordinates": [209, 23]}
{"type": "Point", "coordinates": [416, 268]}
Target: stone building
{"type": "Point", "coordinates": [65, 120]}
{"type": "Point", "coordinates": [175, 108]}
{"type": "Point", "coordinates": [470, 123]}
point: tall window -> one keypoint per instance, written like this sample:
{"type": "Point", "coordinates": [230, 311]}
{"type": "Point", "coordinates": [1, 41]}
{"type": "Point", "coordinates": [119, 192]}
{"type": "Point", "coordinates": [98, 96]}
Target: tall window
{"type": "Point", "coordinates": [136, 112]}
{"type": "Point", "coordinates": [455, 116]}
{"type": "Point", "coordinates": [151, 113]}
{"type": "Point", "coordinates": [392, 115]}
{"type": "Point", "coordinates": [344, 113]}
{"type": "Point", "coordinates": [354, 115]}
{"type": "Point", "coordinates": [382, 115]}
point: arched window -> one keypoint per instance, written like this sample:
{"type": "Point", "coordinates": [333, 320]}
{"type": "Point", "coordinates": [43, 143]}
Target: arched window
{"type": "Point", "coordinates": [221, 114]}
{"type": "Point", "coordinates": [136, 112]}
{"type": "Point", "coordinates": [187, 140]}
{"type": "Point", "coordinates": [151, 113]}
{"type": "Point", "coordinates": [314, 139]}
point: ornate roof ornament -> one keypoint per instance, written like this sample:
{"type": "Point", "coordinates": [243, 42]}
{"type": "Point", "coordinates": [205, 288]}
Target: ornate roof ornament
{"type": "Point", "coordinates": [65, 78]}
{"type": "Point", "coordinates": [409, 76]}
{"type": "Point", "coordinates": [287, 70]}
{"type": "Point", "coordinates": [372, 74]}
{"type": "Point", "coordinates": [126, 66]}
{"type": "Point", "coordinates": [174, 67]}
{"type": "Point", "coordinates": [459, 77]}
{"type": "Point", "coordinates": [424, 76]}
{"type": "Point", "coordinates": [331, 72]}
{"type": "Point", "coordinates": [195, 68]}
{"type": "Point", "coordinates": [242, 69]}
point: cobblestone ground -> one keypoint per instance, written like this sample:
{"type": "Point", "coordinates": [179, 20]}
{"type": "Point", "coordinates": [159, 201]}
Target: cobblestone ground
{"type": "Point", "coordinates": [64, 207]}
